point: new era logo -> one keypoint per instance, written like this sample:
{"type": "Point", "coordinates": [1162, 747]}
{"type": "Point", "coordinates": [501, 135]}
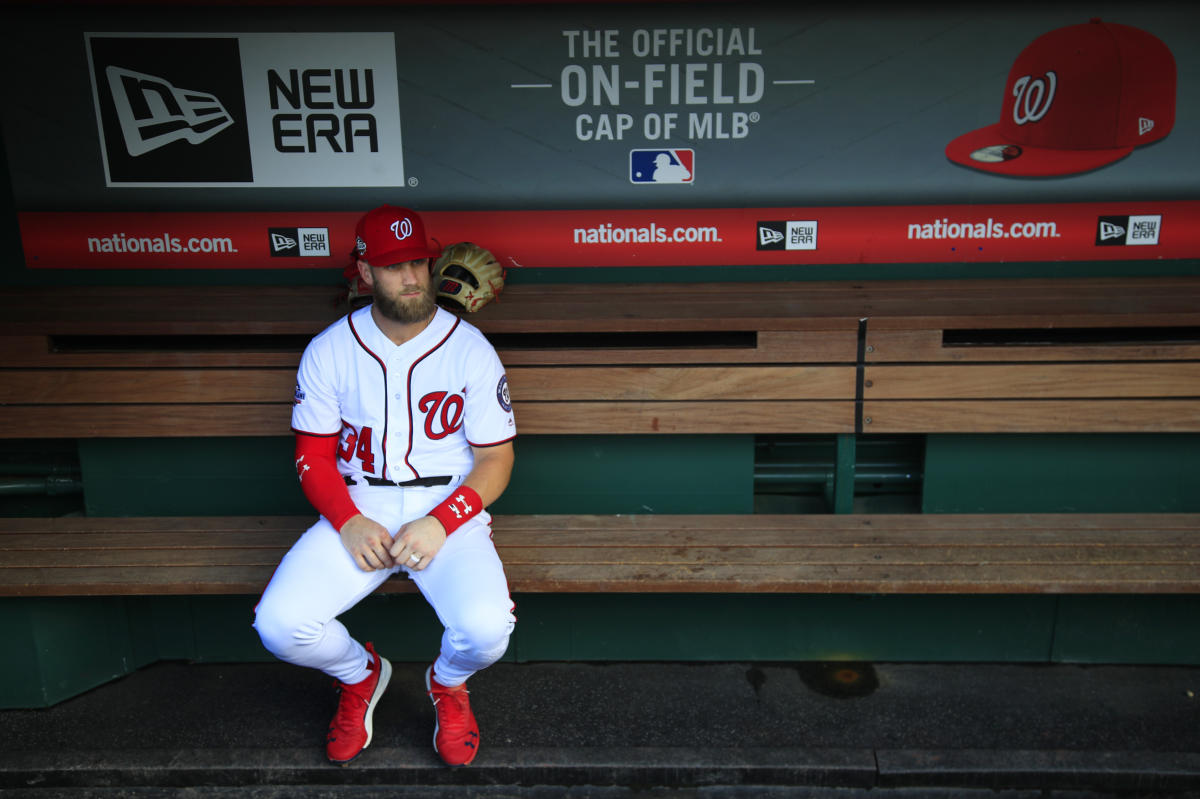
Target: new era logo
{"type": "Point", "coordinates": [172, 109]}
{"type": "Point", "coordinates": [281, 242]}
{"type": "Point", "coordinates": [301, 242]}
{"type": "Point", "coordinates": [1128, 230]}
{"type": "Point", "coordinates": [1145, 125]}
{"type": "Point", "coordinates": [769, 235]}
{"type": "Point", "coordinates": [791, 235]}
{"type": "Point", "coordinates": [153, 113]}
{"type": "Point", "coordinates": [247, 109]}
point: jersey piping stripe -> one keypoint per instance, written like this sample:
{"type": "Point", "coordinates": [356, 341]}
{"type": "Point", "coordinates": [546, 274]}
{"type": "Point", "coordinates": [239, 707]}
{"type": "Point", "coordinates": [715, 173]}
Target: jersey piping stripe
{"type": "Point", "coordinates": [408, 390]}
{"type": "Point", "coordinates": [378, 360]}
{"type": "Point", "coordinates": [496, 444]}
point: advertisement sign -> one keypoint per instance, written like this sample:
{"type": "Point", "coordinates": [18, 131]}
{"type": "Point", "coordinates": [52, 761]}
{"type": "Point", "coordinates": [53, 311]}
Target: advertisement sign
{"type": "Point", "coordinates": [179, 110]}
{"type": "Point", "coordinates": [592, 135]}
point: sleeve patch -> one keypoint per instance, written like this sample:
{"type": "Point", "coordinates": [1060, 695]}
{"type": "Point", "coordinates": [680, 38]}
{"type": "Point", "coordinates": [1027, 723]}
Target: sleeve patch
{"type": "Point", "coordinates": [502, 395]}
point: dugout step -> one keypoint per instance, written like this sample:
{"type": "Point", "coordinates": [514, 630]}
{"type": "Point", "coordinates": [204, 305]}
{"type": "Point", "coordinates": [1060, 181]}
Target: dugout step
{"type": "Point", "coordinates": [632, 727]}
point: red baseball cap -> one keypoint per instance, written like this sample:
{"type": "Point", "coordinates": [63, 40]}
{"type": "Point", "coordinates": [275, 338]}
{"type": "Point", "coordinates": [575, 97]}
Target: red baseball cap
{"type": "Point", "coordinates": [391, 235]}
{"type": "Point", "coordinates": [1077, 98]}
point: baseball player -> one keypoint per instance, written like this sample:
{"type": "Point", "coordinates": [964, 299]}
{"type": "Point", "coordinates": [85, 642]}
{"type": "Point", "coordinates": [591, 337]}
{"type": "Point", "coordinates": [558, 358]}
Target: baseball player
{"type": "Point", "coordinates": [404, 434]}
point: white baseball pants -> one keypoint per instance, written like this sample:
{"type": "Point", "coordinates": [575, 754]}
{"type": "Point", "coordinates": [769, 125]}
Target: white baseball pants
{"type": "Point", "coordinates": [318, 580]}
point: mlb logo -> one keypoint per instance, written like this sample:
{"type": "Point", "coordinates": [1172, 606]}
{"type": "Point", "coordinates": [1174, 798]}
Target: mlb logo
{"type": "Point", "coordinates": [662, 166]}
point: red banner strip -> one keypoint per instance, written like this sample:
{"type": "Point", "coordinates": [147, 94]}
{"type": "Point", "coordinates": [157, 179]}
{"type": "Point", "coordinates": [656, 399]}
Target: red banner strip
{"type": "Point", "coordinates": [657, 237]}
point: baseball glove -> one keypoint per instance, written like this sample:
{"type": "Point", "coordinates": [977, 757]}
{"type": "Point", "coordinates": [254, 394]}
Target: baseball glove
{"type": "Point", "coordinates": [356, 288]}
{"type": "Point", "coordinates": [468, 276]}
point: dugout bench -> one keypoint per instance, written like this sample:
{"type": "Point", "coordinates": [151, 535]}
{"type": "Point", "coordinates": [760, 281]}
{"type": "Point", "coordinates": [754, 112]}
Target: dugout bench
{"type": "Point", "coordinates": [988, 356]}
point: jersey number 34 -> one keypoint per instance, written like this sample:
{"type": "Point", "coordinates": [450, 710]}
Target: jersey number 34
{"type": "Point", "coordinates": [357, 443]}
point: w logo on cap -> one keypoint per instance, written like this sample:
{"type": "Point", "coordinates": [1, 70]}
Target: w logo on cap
{"type": "Point", "coordinates": [402, 228]}
{"type": "Point", "coordinates": [1032, 97]}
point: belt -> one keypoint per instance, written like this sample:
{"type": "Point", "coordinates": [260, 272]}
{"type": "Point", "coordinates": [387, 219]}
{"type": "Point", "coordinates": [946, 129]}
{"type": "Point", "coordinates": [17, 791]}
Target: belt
{"type": "Point", "coordinates": [420, 481]}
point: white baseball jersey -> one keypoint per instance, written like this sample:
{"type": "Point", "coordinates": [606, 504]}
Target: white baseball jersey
{"type": "Point", "coordinates": [406, 412]}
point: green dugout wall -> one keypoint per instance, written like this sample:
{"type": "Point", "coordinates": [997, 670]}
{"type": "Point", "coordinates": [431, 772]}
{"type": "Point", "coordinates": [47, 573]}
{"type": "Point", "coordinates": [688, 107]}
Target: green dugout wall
{"type": "Point", "coordinates": [62, 646]}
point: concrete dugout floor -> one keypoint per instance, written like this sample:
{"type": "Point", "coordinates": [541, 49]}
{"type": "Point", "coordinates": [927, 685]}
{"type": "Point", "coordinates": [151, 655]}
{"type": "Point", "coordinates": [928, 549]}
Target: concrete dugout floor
{"type": "Point", "coordinates": [630, 729]}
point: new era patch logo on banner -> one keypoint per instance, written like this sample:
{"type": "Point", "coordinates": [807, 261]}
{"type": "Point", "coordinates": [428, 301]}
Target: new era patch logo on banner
{"type": "Point", "coordinates": [248, 109]}
{"type": "Point", "coordinates": [787, 235]}
{"type": "Point", "coordinates": [1119, 231]}
{"type": "Point", "coordinates": [304, 242]}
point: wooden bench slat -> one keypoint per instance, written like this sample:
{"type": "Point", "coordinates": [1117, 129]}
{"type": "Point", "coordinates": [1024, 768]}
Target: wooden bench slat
{"type": "Point", "coordinates": [598, 383]}
{"type": "Point", "coordinates": [1032, 416]}
{"type": "Point", "coordinates": [963, 553]}
{"type": "Point", "coordinates": [953, 524]}
{"type": "Point", "coordinates": [680, 554]}
{"type": "Point", "coordinates": [145, 421]}
{"type": "Point", "coordinates": [798, 346]}
{"type": "Point", "coordinates": [1038, 381]}
{"type": "Point", "coordinates": [750, 417]}
{"type": "Point", "coordinates": [801, 558]}
{"type": "Point", "coordinates": [150, 525]}
{"type": "Point", "coordinates": [124, 580]}
{"type": "Point", "coordinates": [654, 578]}
{"type": "Point", "coordinates": [533, 418]}
{"type": "Point", "coordinates": [878, 579]}
{"type": "Point", "coordinates": [159, 541]}
{"type": "Point", "coordinates": [549, 308]}
{"type": "Point", "coordinates": [68, 559]}
{"type": "Point", "coordinates": [643, 526]}
{"type": "Point", "coordinates": [647, 383]}
{"type": "Point", "coordinates": [149, 310]}
{"type": "Point", "coordinates": [811, 543]}
{"type": "Point", "coordinates": [901, 304]}
{"type": "Point", "coordinates": [36, 351]}
{"type": "Point", "coordinates": [885, 346]}
{"type": "Point", "coordinates": [144, 386]}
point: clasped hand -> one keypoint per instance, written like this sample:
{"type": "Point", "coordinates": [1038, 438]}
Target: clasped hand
{"type": "Point", "coordinates": [374, 548]}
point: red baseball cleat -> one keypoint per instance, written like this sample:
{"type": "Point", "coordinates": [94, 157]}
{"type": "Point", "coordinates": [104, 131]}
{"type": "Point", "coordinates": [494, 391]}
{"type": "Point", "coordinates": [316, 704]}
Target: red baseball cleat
{"type": "Point", "coordinates": [455, 732]}
{"type": "Point", "coordinates": [350, 731]}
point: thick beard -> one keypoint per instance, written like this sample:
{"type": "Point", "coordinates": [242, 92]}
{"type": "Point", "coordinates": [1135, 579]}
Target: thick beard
{"type": "Point", "coordinates": [407, 312]}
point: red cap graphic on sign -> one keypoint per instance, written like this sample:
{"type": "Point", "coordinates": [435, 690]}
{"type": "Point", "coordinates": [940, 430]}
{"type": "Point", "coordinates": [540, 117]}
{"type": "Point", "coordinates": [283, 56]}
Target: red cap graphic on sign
{"type": "Point", "coordinates": [1077, 98]}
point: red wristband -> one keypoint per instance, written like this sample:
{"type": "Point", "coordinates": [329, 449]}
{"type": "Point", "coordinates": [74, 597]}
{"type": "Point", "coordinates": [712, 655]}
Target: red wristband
{"type": "Point", "coordinates": [458, 508]}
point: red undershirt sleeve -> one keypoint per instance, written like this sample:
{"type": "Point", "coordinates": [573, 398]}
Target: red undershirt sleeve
{"type": "Point", "coordinates": [316, 466]}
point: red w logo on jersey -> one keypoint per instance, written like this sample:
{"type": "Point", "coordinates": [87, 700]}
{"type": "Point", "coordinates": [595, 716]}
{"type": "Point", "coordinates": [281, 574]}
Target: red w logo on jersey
{"type": "Point", "coordinates": [443, 413]}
